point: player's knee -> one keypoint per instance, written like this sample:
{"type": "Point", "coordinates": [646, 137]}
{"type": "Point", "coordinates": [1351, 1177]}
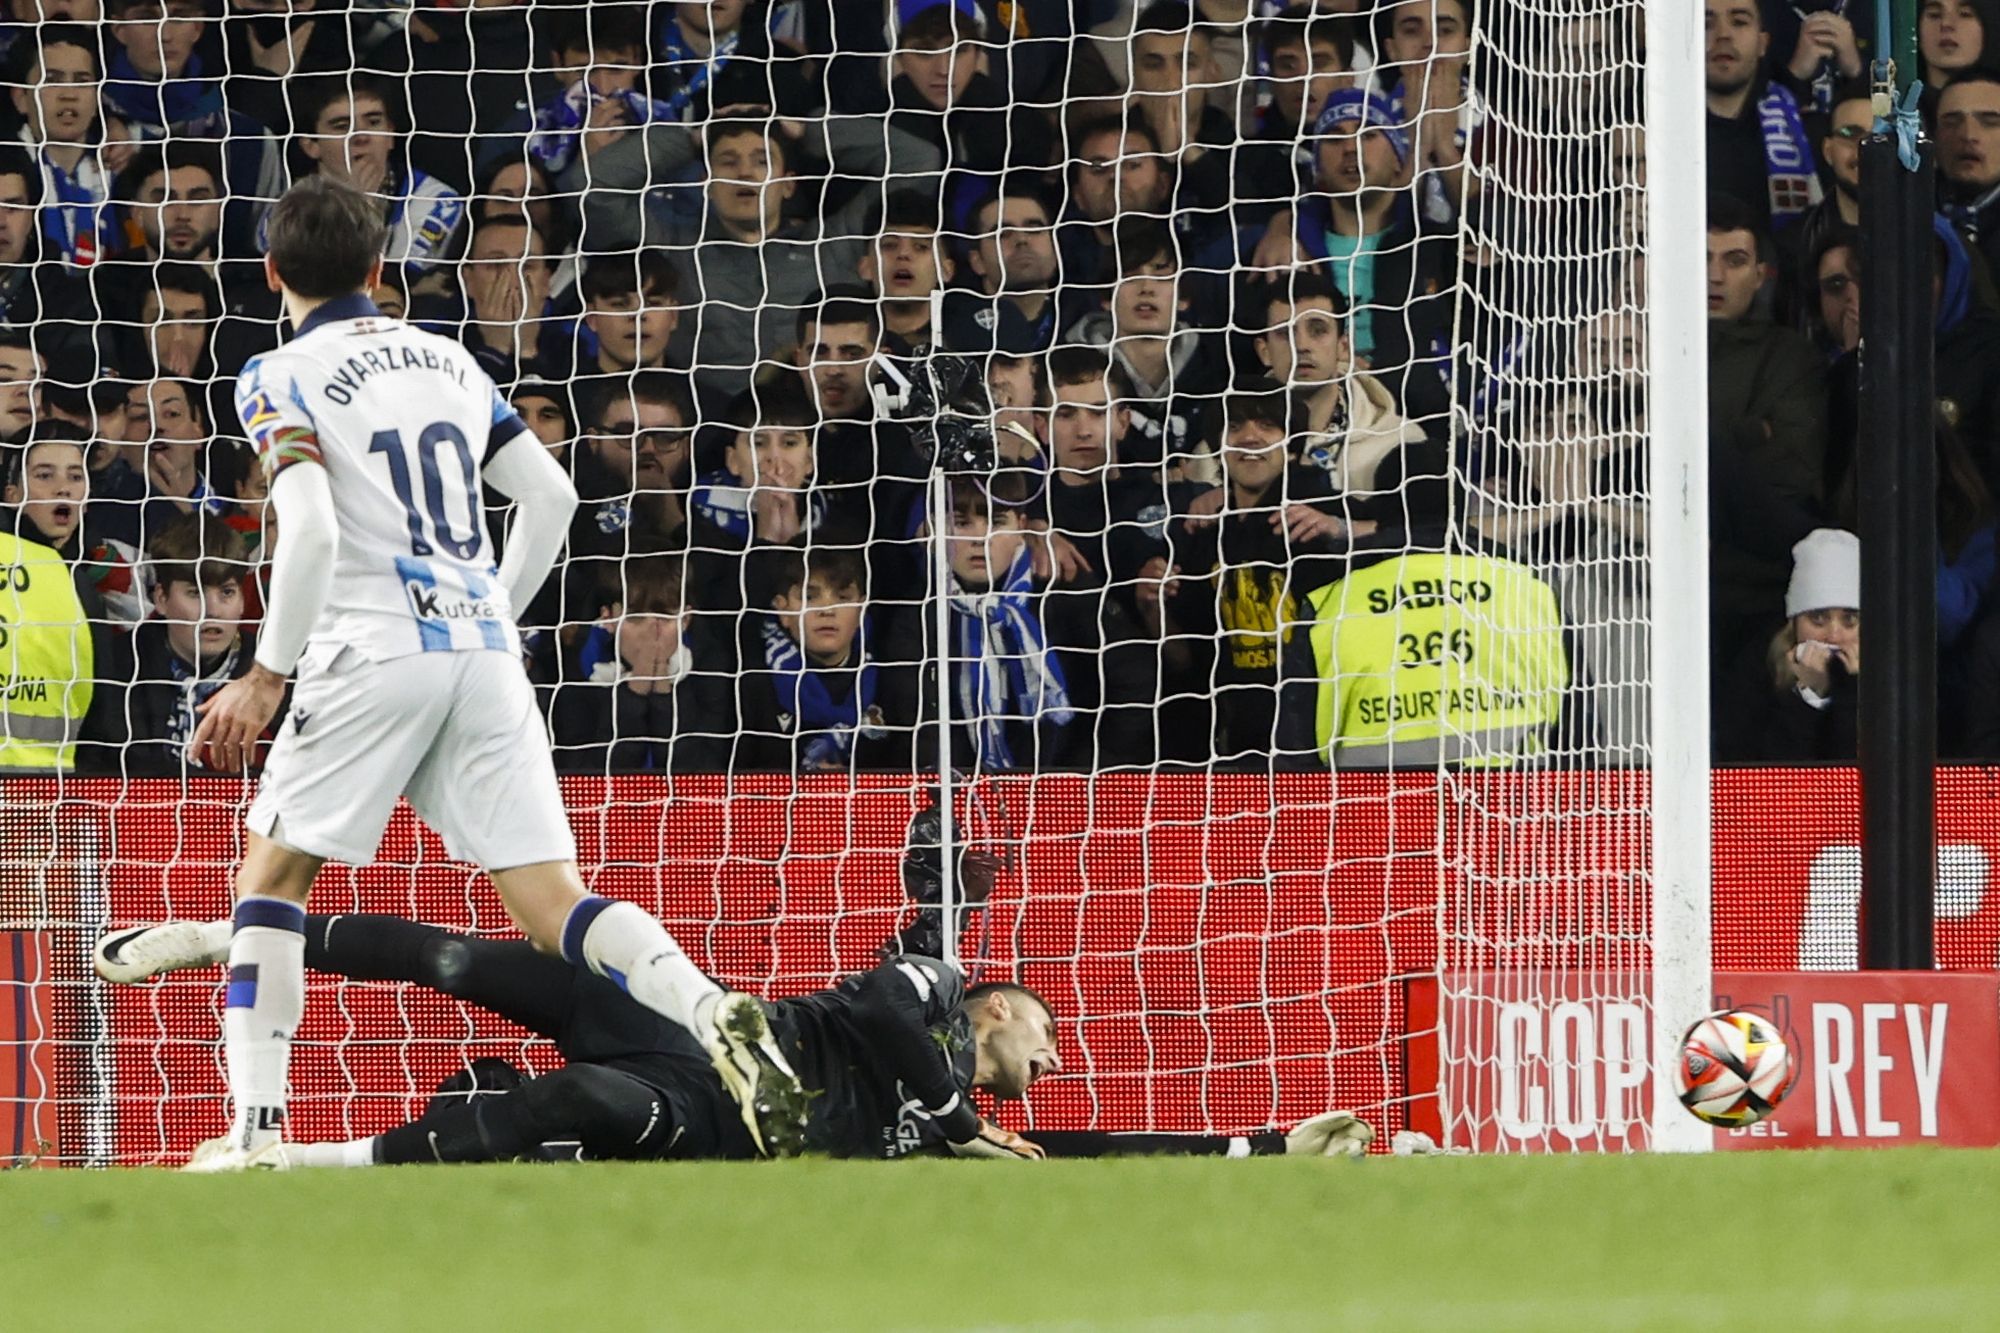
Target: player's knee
{"type": "Point", "coordinates": [539, 899]}
{"type": "Point", "coordinates": [271, 869]}
{"type": "Point", "coordinates": [446, 962]}
{"type": "Point", "coordinates": [587, 1101]}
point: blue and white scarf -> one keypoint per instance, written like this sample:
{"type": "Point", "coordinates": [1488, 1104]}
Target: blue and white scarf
{"type": "Point", "coordinates": [690, 68]}
{"type": "Point", "coordinates": [197, 687]}
{"type": "Point", "coordinates": [723, 499]}
{"type": "Point", "coordinates": [1002, 669]}
{"type": "Point", "coordinates": [189, 103]}
{"type": "Point", "coordinates": [206, 500]}
{"type": "Point", "coordinates": [558, 132]}
{"type": "Point", "coordinates": [602, 665]}
{"type": "Point", "coordinates": [1827, 77]}
{"type": "Point", "coordinates": [1788, 156]}
{"type": "Point", "coordinates": [76, 209]}
{"type": "Point", "coordinates": [826, 727]}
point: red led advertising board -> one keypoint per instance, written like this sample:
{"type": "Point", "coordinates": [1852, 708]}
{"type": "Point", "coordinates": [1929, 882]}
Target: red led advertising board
{"type": "Point", "coordinates": [1226, 951]}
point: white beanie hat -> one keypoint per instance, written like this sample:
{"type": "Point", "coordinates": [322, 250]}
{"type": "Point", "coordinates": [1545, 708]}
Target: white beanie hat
{"type": "Point", "coordinates": [1826, 572]}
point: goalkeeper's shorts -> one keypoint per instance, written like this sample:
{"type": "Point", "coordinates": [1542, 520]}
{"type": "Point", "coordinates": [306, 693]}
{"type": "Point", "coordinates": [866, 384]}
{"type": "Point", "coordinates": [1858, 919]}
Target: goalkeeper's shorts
{"type": "Point", "coordinates": [458, 733]}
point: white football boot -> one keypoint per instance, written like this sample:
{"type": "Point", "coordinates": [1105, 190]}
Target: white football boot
{"type": "Point", "coordinates": [220, 1157]}
{"type": "Point", "coordinates": [140, 952]}
{"type": "Point", "coordinates": [745, 1053]}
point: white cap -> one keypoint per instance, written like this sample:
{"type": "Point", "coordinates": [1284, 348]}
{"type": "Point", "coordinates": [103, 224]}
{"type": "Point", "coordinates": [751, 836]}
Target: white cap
{"type": "Point", "coordinates": [1826, 572]}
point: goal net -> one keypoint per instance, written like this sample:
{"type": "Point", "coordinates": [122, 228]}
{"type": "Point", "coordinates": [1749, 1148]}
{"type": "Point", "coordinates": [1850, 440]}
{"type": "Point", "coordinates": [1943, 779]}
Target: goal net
{"type": "Point", "coordinates": [1214, 450]}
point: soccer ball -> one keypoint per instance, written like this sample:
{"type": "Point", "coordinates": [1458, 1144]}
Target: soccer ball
{"type": "Point", "coordinates": [1733, 1070]}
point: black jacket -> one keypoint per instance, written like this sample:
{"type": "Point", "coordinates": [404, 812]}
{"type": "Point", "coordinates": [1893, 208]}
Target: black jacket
{"type": "Point", "coordinates": [150, 695]}
{"type": "Point", "coordinates": [771, 735]}
{"type": "Point", "coordinates": [56, 304]}
{"type": "Point", "coordinates": [602, 726]}
{"type": "Point", "coordinates": [467, 77]}
{"type": "Point", "coordinates": [1782, 728]}
{"type": "Point", "coordinates": [870, 477]}
{"type": "Point", "coordinates": [985, 132]}
{"type": "Point", "coordinates": [1141, 699]}
{"type": "Point", "coordinates": [975, 322]}
{"type": "Point", "coordinates": [1256, 578]}
{"type": "Point", "coordinates": [1757, 722]}
{"type": "Point", "coordinates": [1767, 407]}
{"type": "Point", "coordinates": [880, 1053]}
{"type": "Point", "coordinates": [160, 706]}
{"type": "Point", "coordinates": [1736, 159]}
{"type": "Point", "coordinates": [1969, 693]}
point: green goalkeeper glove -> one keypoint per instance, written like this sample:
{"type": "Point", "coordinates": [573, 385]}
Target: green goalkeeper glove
{"type": "Point", "coordinates": [993, 1141]}
{"type": "Point", "coordinates": [1334, 1134]}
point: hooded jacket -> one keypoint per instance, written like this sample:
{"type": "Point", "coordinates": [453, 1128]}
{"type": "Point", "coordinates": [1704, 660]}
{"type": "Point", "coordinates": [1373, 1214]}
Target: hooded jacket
{"type": "Point", "coordinates": [1375, 430]}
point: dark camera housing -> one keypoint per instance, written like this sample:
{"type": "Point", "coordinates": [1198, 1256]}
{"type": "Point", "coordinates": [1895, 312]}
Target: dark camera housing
{"type": "Point", "coordinates": [943, 401]}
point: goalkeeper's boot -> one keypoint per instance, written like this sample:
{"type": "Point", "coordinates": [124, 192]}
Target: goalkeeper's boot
{"type": "Point", "coordinates": [221, 1157]}
{"type": "Point", "coordinates": [746, 1055]}
{"type": "Point", "coordinates": [134, 955]}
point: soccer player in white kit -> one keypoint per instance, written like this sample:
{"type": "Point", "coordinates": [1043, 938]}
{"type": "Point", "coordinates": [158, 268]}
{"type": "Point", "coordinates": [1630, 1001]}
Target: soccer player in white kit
{"type": "Point", "coordinates": [377, 438]}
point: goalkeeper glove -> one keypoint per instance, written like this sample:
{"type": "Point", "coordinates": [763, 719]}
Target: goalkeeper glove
{"type": "Point", "coordinates": [1334, 1134]}
{"type": "Point", "coordinates": [993, 1141]}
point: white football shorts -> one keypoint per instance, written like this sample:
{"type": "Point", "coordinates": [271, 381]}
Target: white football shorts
{"type": "Point", "coordinates": [458, 733]}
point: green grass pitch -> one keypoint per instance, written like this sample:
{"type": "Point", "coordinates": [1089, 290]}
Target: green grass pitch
{"type": "Point", "coordinates": [1760, 1241]}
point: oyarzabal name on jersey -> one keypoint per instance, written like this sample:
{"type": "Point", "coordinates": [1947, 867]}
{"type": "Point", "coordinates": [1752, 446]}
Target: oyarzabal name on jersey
{"type": "Point", "coordinates": [430, 604]}
{"type": "Point", "coordinates": [380, 361]}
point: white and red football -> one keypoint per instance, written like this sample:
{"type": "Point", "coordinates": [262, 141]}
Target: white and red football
{"type": "Point", "coordinates": [1734, 1069]}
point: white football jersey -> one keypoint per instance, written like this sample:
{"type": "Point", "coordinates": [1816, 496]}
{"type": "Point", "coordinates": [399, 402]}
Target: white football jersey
{"type": "Point", "coordinates": [403, 421]}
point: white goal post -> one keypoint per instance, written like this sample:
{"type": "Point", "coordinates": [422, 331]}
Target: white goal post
{"type": "Point", "coordinates": [1676, 178]}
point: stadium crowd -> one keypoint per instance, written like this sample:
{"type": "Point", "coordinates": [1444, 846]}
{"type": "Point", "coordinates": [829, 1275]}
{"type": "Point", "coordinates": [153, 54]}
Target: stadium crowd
{"type": "Point", "coordinates": [1252, 341]}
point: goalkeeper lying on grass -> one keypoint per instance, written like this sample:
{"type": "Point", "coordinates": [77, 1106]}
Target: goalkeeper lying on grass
{"type": "Point", "coordinates": [889, 1057]}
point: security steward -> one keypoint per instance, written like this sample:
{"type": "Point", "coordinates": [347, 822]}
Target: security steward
{"type": "Point", "coordinates": [46, 659]}
{"type": "Point", "coordinates": [1427, 657]}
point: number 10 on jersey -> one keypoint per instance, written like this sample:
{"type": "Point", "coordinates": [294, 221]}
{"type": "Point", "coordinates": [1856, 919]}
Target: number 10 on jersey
{"type": "Point", "coordinates": [431, 526]}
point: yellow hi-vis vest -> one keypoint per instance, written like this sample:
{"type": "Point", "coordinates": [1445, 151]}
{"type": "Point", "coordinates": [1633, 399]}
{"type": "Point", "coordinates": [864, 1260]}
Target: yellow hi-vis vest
{"type": "Point", "coordinates": [46, 662]}
{"type": "Point", "coordinates": [1436, 657]}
